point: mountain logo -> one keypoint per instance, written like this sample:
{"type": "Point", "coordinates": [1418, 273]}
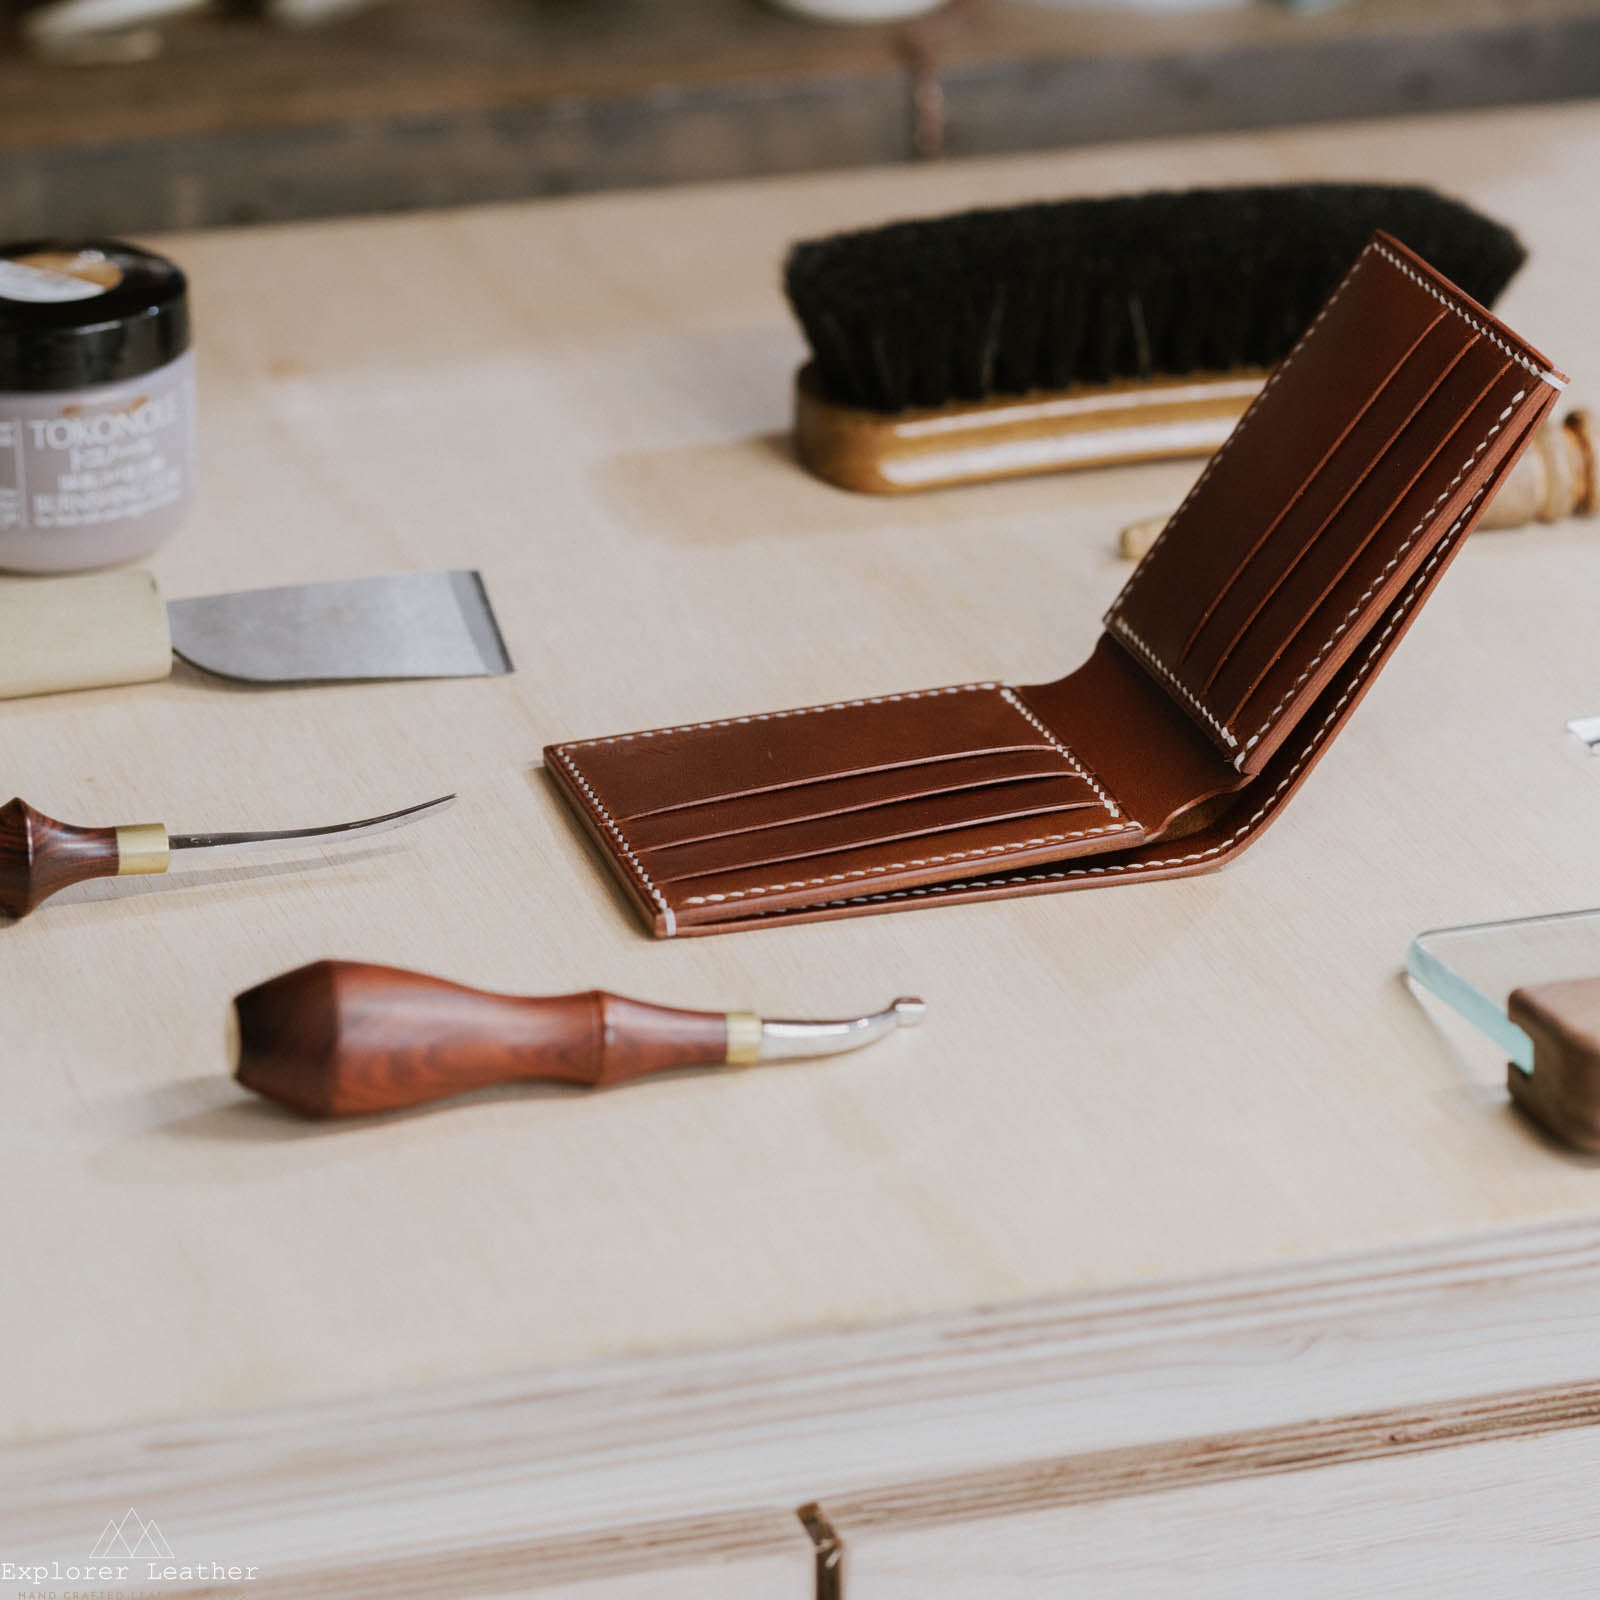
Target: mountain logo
{"type": "Point", "coordinates": [130, 1536]}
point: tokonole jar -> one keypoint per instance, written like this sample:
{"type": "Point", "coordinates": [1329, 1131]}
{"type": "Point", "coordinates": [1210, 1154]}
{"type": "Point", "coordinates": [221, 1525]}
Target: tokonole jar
{"type": "Point", "coordinates": [96, 403]}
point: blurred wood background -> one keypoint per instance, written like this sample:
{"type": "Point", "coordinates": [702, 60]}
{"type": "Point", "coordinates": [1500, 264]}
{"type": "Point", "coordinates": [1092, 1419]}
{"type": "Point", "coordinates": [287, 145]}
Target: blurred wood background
{"type": "Point", "coordinates": [440, 102]}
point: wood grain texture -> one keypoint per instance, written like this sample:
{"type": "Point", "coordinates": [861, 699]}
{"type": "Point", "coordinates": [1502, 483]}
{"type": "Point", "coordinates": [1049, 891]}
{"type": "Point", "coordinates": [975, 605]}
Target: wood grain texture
{"type": "Point", "coordinates": [40, 857]}
{"type": "Point", "coordinates": [548, 1473]}
{"type": "Point", "coordinates": [589, 400]}
{"type": "Point", "coordinates": [734, 1556]}
{"type": "Point", "coordinates": [1218, 1458]}
{"type": "Point", "coordinates": [345, 1038]}
{"type": "Point", "coordinates": [1011, 436]}
{"type": "Point", "coordinates": [1480, 1521]}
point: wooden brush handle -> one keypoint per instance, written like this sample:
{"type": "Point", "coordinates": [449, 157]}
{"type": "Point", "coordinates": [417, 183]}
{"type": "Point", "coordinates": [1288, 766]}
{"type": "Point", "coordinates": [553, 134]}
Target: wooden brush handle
{"type": "Point", "coordinates": [340, 1039]}
{"type": "Point", "coordinates": [40, 856]}
{"type": "Point", "coordinates": [1552, 480]}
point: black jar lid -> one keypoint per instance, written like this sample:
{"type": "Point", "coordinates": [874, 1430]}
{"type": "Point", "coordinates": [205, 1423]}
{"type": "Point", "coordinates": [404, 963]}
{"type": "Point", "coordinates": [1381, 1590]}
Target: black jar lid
{"type": "Point", "coordinates": [79, 312]}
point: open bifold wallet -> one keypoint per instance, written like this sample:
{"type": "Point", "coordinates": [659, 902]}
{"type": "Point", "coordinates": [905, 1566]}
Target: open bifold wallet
{"type": "Point", "coordinates": [1229, 662]}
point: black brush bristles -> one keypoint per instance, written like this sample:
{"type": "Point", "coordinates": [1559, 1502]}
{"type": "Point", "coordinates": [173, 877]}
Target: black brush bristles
{"type": "Point", "coordinates": [1087, 291]}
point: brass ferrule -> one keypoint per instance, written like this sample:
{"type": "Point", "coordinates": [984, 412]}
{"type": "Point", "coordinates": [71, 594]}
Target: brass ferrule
{"type": "Point", "coordinates": [745, 1034]}
{"type": "Point", "coordinates": [142, 849]}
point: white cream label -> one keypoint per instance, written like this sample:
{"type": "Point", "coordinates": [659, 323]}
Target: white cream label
{"type": "Point", "coordinates": [49, 282]}
{"type": "Point", "coordinates": [72, 464]}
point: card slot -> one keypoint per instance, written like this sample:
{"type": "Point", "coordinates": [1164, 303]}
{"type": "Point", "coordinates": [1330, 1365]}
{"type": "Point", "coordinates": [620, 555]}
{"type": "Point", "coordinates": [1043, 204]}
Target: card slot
{"type": "Point", "coordinates": [1016, 842]}
{"type": "Point", "coordinates": [899, 824]}
{"type": "Point", "coordinates": [1302, 535]}
{"type": "Point", "coordinates": [776, 808]}
{"type": "Point", "coordinates": [1404, 502]}
{"type": "Point", "coordinates": [1336, 448]}
{"type": "Point", "coordinates": [736, 796]}
{"type": "Point", "coordinates": [705, 763]}
{"type": "Point", "coordinates": [1372, 321]}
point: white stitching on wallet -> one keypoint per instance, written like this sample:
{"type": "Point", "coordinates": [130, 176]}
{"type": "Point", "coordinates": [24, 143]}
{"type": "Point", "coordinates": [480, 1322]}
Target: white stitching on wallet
{"type": "Point", "coordinates": [905, 866]}
{"type": "Point", "coordinates": [1277, 372]}
{"type": "Point", "coordinates": [1003, 690]}
{"type": "Point", "coordinates": [1010, 697]}
{"type": "Point", "coordinates": [1169, 674]}
{"type": "Point", "coordinates": [1444, 300]}
{"type": "Point", "coordinates": [1126, 633]}
{"type": "Point", "coordinates": [1377, 583]}
{"type": "Point", "coordinates": [778, 716]}
{"type": "Point", "coordinates": [622, 844]}
{"type": "Point", "coordinates": [1245, 828]}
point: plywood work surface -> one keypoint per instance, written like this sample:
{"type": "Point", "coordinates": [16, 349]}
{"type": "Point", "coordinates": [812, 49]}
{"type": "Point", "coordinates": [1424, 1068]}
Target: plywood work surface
{"type": "Point", "coordinates": [587, 400]}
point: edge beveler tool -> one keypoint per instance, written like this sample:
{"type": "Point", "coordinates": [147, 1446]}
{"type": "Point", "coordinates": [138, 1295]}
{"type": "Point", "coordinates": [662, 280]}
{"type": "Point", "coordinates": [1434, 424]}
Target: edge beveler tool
{"type": "Point", "coordinates": [342, 1038]}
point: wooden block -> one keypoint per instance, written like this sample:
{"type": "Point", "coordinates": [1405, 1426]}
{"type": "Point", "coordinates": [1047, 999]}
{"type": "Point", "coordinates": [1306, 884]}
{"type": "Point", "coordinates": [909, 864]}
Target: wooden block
{"type": "Point", "coordinates": [91, 632]}
{"type": "Point", "coordinates": [1479, 1521]}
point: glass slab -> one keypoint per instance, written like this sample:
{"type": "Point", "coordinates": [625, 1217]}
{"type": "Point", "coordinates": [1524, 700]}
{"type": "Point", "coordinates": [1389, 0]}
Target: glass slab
{"type": "Point", "coordinates": [1473, 968]}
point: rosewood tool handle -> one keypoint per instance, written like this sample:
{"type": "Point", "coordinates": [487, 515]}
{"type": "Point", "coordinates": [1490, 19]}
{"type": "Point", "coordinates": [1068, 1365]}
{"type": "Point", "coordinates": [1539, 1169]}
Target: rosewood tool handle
{"type": "Point", "coordinates": [40, 856]}
{"type": "Point", "coordinates": [341, 1038]}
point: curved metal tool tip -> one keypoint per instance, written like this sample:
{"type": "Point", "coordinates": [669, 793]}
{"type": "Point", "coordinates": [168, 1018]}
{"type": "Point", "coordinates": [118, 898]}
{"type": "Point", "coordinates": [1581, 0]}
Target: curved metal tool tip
{"type": "Point", "coordinates": [338, 833]}
{"type": "Point", "coordinates": [790, 1040]}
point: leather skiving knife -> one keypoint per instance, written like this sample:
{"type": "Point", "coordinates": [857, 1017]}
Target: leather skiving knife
{"type": "Point", "coordinates": [114, 628]}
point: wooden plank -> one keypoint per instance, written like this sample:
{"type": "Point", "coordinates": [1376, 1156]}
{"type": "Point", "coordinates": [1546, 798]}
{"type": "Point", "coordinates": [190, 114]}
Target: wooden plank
{"type": "Point", "coordinates": [434, 58]}
{"type": "Point", "coordinates": [1165, 1468]}
{"type": "Point", "coordinates": [729, 1557]}
{"type": "Point", "coordinates": [676, 1465]}
{"type": "Point", "coordinates": [1509, 1515]}
{"type": "Point", "coordinates": [1112, 1090]}
{"type": "Point", "coordinates": [701, 1558]}
{"type": "Point", "coordinates": [424, 104]}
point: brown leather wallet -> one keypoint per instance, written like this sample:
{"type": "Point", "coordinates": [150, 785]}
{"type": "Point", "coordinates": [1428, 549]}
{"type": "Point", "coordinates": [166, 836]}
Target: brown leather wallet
{"type": "Point", "coordinates": [1232, 657]}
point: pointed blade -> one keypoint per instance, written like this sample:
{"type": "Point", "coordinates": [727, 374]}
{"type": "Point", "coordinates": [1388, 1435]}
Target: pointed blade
{"type": "Point", "coordinates": [409, 625]}
{"type": "Point", "coordinates": [338, 833]}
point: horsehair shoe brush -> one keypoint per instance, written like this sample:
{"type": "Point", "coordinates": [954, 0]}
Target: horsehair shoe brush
{"type": "Point", "coordinates": [995, 343]}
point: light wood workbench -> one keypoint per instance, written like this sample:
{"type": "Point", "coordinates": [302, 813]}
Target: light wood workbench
{"type": "Point", "coordinates": [1169, 1173]}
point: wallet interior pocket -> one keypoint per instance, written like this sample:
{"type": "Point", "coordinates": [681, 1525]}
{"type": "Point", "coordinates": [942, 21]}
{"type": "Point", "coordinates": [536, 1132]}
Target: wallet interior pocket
{"type": "Point", "coordinates": [709, 764]}
{"type": "Point", "coordinates": [780, 807]}
{"type": "Point", "coordinates": [899, 821]}
{"type": "Point", "coordinates": [793, 804]}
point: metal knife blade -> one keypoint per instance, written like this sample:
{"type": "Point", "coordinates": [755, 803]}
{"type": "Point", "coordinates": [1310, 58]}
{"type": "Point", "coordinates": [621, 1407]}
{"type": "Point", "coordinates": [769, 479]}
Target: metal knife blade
{"type": "Point", "coordinates": [209, 844]}
{"type": "Point", "coordinates": [408, 625]}
{"type": "Point", "coordinates": [40, 856]}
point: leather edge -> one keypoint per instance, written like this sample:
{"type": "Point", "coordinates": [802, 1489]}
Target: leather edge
{"type": "Point", "coordinates": [606, 837]}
